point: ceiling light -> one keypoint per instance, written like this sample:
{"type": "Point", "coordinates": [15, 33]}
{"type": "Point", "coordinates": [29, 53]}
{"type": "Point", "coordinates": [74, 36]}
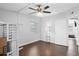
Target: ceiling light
{"type": "Point", "coordinates": [39, 14]}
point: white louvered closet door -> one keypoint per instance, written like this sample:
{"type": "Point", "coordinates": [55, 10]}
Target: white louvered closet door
{"type": "Point", "coordinates": [12, 40]}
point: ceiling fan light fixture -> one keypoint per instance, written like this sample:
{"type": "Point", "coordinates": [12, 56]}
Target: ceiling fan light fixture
{"type": "Point", "coordinates": [39, 14]}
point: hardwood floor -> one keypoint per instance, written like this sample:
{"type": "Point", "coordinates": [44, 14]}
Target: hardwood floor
{"type": "Point", "coordinates": [41, 48]}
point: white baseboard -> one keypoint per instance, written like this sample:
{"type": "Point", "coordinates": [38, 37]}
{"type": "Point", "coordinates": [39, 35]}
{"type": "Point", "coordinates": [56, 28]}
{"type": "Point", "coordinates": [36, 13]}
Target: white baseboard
{"type": "Point", "coordinates": [38, 40]}
{"type": "Point", "coordinates": [28, 43]}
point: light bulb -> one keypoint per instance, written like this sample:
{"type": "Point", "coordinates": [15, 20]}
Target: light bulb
{"type": "Point", "coordinates": [39, 14]}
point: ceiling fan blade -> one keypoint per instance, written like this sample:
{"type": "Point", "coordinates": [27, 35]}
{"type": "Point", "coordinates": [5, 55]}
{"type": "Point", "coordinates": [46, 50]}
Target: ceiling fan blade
{"type": "Point", "coordinates": [46, 11]}
{"type": "Point", "coordinates": [32, 8]}
{"type": "Point", "coordinates": [46, 7]}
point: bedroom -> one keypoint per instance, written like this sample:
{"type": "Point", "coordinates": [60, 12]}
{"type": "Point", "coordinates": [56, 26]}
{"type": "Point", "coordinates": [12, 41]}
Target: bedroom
{"type": "Point", "coordinates": [44, 29]}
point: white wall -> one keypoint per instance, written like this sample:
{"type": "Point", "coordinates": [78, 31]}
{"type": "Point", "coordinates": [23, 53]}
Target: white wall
{"type": "Point", "coordinates": [50, 21]}
{"type": "Point", "coordinates": [59, 29]}
{"type": "Point", "coordinates": [61, 32]}
{"type": "Point", "coordinates": [24, 32]}
{"type": "Point", "coordinates": [60, 26]}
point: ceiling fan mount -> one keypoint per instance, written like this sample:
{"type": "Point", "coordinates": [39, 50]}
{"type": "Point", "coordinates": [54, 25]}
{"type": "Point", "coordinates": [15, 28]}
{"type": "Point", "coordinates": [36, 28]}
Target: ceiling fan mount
{"type": "Point", "coordinates": [39, 9]}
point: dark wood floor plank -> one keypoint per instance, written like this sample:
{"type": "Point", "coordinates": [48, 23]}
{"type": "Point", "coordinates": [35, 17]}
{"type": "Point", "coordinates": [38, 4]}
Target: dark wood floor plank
{"type": "Point", "coordinates": [44, 49]}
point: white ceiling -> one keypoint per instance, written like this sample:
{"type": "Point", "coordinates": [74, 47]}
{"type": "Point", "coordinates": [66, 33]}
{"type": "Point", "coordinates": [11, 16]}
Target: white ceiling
{"type": "Point", "coordinates": [55, 8]}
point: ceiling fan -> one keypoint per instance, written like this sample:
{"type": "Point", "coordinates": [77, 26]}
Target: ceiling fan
{"type": "Point", "coordinates": [40, 9]}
